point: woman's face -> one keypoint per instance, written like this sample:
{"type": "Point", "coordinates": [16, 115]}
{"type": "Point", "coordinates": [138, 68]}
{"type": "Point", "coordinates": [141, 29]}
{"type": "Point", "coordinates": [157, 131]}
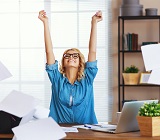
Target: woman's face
{"type": "Point", "coordinates": [71, 59]}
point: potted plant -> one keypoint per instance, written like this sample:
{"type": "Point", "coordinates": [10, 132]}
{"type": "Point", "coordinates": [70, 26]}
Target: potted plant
{"type": "Point", "coordinates": [131, 75]}
{"type": "Point", "coordinates": [149, 119]}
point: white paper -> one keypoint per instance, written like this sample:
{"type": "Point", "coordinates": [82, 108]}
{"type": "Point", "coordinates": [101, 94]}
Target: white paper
{"type": "Point", "coordinates": [69, 129]}
{"type": "Point", "coordinates": [80, 126]}
{"type": "Point", "coordinates": [18, 103]}
{"type": "Point", "coordinates": [154, 77]}
{"type": "Point", "coordinates": [90, 126]}
{"type": "Point", "coordinates": [26, 119]}
{"type": "Point", "coordinates": [41, 112]}
{"type": "Point", "coordinates": [4, 73]}
{"type": "Point", "coordinates": [42, 129]}
{"type": "Point", "coordinates": [151, 56]}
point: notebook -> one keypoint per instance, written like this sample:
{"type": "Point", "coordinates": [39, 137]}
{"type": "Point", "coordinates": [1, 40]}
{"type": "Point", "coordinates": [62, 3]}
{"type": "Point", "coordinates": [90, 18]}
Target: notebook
{"type": "Point", "coordinates": [127, 121]}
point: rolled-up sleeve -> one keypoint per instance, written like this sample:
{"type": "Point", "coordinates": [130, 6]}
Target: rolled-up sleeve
{"type": "Point", "coordinates": [91, 71]}
{"type": "Point", "coordinates": [53, 72]}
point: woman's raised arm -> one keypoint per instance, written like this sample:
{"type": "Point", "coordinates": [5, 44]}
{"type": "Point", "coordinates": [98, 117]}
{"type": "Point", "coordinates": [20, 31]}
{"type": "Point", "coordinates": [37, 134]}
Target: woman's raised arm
{"type": "Point", "coordinates": [93, 36]}
{"type": "Point", "coordinates": [50, 58]}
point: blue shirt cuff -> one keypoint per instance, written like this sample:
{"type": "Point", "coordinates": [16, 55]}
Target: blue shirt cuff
{"type": "Point", "coordinates": [52, 66]}
{"type": "Point", "coordinates": [91, 64]}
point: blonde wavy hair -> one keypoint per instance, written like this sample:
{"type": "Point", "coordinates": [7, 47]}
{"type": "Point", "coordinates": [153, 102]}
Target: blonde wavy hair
{"type": "Point", "coordinates": [81, 64]}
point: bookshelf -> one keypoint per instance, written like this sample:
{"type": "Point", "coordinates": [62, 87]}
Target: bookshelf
{"type": "Point", "coordinates": [122, 51]}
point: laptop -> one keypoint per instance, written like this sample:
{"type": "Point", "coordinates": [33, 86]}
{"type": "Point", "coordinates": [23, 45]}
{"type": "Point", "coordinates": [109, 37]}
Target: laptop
{"type": "Point", "coordinates": [127, 121]}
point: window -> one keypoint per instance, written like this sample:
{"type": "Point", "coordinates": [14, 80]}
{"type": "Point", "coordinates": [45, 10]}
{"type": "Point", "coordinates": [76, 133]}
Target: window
{"type": "Point", "coordinates": [22, 45]}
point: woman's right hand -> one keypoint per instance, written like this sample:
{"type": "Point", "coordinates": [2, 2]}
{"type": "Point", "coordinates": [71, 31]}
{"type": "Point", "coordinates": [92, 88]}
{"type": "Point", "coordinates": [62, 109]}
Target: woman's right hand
{"type": "Point", "coordinates": [97, 17]}
{"type": "Point", "coordinates": [42, 16]}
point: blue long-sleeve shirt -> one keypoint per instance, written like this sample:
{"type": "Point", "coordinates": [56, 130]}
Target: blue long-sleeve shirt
{"type": "Point", "coordinates": [72, 103]}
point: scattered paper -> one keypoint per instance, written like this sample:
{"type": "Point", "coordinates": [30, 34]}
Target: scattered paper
{"type": "Point", "coordinates": [41, 112]}
{"type": "Point", "coordinates": [151, 59]}
{"type": "Point", "coordinates": [4, 72]}
{"type": "Point", "coordinates": [109, 126]}
{"type": "Point", "coordinates": [151, 56]}
{"type": "Point", "coordinates": [25, 119]}
{"type": "Point", "coordinates": [90, 126]}
{"type": "Point", "coordinates": [80, 126]}
{"type": "Point", "coordinates": [69, 129]}
{"type": "Point", "coordinates": [28, 117]}
{"type": "Point", "coordinates": [42, 129]}
{"type": "Point", "coordinates": [18, 104]}
{"type": "Point", "coordinates": [154, 77]}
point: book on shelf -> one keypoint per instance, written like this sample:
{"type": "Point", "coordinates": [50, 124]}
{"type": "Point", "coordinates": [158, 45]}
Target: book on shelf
{"type": "Point", "coordinates": [136, 41]}
{"type": "Point", "coordinates": [125, 42]}
{"type": "Point", "coordinates": [130, 41]}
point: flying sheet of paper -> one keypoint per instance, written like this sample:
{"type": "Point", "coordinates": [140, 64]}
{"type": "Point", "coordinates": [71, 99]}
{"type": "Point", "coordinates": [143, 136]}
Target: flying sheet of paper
{"type": "Point", "coordinates": [26, 119]}
{"type": "Point", "coordinates": [151, 56]}
{"type": "Point", "coordinates": [41, 112]}
{"type": "Point", "coordinates": [42, 129]}
{"type": "Point", "coordinates": [154, 77]}
{"type": "Point", "coordinates": [18, 103]}
{"type": "Point", "coordinates": [4, 72]}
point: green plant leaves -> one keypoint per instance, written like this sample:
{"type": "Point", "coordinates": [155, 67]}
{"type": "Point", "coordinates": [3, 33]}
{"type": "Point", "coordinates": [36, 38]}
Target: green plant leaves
{"type": "Point", "coordinates": [150, 110]}
{"type": "Point", "coordinates": [131, 69]}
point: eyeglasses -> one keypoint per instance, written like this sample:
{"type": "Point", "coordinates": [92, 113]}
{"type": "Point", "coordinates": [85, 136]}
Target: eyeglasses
{"type": "Point", "coordinates": [68, 55]}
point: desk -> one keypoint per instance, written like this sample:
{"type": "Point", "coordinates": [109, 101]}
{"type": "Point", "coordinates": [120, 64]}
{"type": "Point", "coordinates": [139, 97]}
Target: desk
{"type": "Point", "coordinates": [85, 134]}
{"type": "Point", "coordinates": [6, 136]}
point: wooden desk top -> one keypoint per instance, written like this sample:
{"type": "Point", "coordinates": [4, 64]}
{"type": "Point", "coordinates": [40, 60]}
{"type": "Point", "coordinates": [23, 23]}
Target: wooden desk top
{"type": "Point", "coordinates": [84, 134]}
{"type": "Point", "coordinates": [6, 136]}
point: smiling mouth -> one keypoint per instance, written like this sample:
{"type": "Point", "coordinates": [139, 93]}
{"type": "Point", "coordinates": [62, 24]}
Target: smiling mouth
{"type": "Point", "coordinates": [71, 61]}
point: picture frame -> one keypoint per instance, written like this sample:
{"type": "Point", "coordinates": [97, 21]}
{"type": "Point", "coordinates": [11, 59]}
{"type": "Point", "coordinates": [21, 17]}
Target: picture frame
{"type": "Point", "coordinates": [144, 76]}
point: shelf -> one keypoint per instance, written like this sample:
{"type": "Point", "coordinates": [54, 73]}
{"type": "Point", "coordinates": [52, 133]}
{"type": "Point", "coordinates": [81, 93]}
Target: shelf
{"type": "Point", "coordinates": [123, 54]}
{"type": "Point", "coordinates": [139, 17]}
{"type": "Point", "coordinates": [137, 51]}
{"type": "Point", "coordinates": [140, 85]}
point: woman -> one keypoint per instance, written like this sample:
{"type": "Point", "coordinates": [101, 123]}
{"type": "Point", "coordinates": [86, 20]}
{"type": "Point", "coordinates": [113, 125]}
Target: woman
{"type": "Point", "coordinates": [72, 87]}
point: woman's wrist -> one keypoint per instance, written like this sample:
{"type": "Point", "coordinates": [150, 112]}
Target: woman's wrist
{"type": "Point", "coordinates": [93, 23]}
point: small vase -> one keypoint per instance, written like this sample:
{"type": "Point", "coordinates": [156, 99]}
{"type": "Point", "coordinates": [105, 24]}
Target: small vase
{"type": "Point", "coordinates": [131, 78]}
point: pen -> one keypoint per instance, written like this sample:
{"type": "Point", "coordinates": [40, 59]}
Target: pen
{"type": "Point", "coordinates": [93, 125]}
{"type": "Point", "coordinates": [87, 126]}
